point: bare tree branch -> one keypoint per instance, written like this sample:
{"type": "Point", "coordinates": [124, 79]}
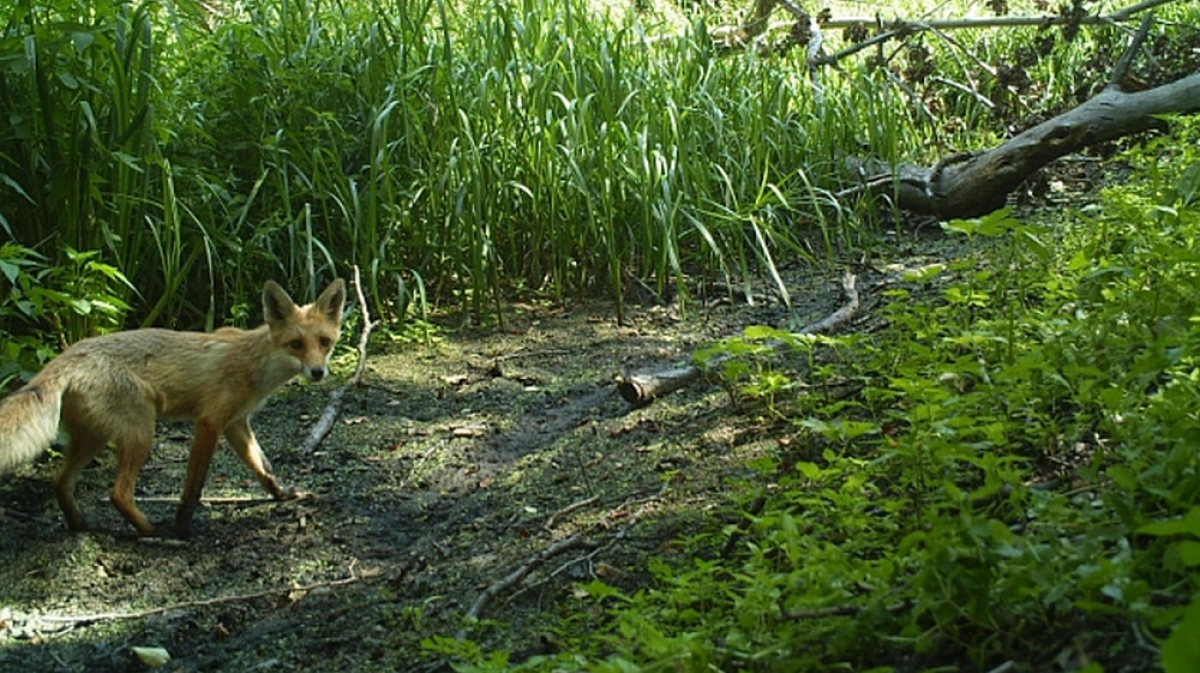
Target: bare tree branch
{"type": "Point", "coordinates": [738, 37]}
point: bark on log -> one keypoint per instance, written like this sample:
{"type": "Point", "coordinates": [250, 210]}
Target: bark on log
{"type": "Point", "coordinates": [971, 185]}
{"type": "Point", "coordinates": [642, 389]}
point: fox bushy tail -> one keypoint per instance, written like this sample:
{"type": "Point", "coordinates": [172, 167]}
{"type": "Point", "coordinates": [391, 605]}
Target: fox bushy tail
{"type": "Point", "coordinates": [29, 421]}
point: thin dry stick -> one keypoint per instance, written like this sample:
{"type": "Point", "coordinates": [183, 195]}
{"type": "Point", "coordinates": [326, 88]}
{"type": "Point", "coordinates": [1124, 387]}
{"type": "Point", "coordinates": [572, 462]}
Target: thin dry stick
{"type": "Point", "coordinates": [515, 577]}
{"type": "Point", "coordinates": [567, 510]}
{"type": "Point", "coordinates": [366, 333]}
{"type": "Point", "coordinates": [222, 500]}
{"type": "Point", "coordinates": [329, 415]}
{"type": "Point", "coordinates": [142, 614]}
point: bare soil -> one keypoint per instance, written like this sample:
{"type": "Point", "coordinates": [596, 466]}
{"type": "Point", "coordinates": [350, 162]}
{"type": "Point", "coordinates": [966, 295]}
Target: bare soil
{"type": "Point", "coordinates": [481, 456]}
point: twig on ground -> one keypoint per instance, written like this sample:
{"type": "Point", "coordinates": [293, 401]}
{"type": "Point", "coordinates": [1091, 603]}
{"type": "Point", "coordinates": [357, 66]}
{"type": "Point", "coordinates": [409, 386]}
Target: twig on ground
{"type": "Point", "coordinates": [76, 620]}
{"type": "Point", "coordinates": [515, 577]}
{"type": "Point", "coordinates": [420, 463]}
{"type": "Point", "coordinates": [329, 415]}
{"type": "Point", "coordinates": [224, 500]}
{"type": "Point", "coordinates": [6, 512]}
{"type": "Point", "coordinates": [578, 540]}
{"type": "Point", "coordinates": [567, 510]}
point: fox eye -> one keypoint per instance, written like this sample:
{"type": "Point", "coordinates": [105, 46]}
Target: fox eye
{"type": "Point", "coordinates": [296, 344]}
{"type": "Point", "coordinates": [326, 342]}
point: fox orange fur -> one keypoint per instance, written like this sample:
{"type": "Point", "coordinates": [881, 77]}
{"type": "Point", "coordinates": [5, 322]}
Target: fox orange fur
{"type": "Point", "coordinates": [114, 387]}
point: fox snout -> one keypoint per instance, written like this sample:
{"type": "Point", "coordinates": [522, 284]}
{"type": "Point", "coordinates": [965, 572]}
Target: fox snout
{"type": "Point", "coordinates": [315, 374]}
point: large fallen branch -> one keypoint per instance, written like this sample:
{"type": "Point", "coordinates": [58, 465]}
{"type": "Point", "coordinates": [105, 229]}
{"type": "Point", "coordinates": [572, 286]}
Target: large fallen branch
{"type": "Point", "coordinates": [974, 184]}
{"type": "Point", "coordinates": [971, 185]}
{"type": "Point", "coordinates": [644, 388]}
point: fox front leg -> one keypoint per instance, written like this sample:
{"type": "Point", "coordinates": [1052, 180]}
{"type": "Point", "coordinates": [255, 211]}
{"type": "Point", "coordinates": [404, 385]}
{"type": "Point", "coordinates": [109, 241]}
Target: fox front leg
{"type": "Point", "coordinates": [204, 445]}
{"type": "Point", "coordinates": [245, 445]}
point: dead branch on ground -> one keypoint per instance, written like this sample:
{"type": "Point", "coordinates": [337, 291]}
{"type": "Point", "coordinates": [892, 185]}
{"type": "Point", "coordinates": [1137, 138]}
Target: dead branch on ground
{"type": "Point", "coordinates": [643, 388]}
{"type": "Point", "coordinates": [81, 620]}
{"type": "Point", "coordinates": [519, 574]}
{"type": "Point", "coordinates": [549, 525]}
{"type": "Point", "coordinates": [580, 540]}
{"type": "Point", "coordinates": [974, 184]}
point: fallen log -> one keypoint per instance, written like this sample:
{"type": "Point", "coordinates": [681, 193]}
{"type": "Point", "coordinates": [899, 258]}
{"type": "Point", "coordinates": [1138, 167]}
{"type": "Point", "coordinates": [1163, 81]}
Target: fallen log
{"type": "Point", "coordinates": [972, 185]}
{"type": "Point", "coordinates": [642, 389]}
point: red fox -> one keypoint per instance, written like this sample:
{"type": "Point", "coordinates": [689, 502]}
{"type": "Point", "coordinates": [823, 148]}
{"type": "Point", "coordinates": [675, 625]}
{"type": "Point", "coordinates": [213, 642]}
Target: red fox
{"type": "Point", "coordinates": [114, 387]}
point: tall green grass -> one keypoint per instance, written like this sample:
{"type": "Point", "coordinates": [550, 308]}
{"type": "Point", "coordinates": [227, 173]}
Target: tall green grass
{"type": "Point", "coordinates": [486, 148]}
{"type": "Point", "coordinates": [515, 146]}
{"type": "Point", "coordinates": [79, 150]}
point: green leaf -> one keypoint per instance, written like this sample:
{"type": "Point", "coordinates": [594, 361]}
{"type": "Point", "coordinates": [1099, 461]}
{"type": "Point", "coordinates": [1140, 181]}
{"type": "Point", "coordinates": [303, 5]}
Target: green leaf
{"type": "Point", "coordinates": [763, 333]}
{"type": "Point", "coordinates": [1035, 244]}
{"type": "Point", "coordinates": [1191, 520]}
{"type": "Point", "coordinates": [1188, 187]}
{"type": "Point", "coordinates": [10, 271]}
{"type": "Point", "coordinates": [1189, 553]}
{"type": "Point", "coordinates": [1163, 528]}
{"type": "Point", "coordinates": [1181, 652]}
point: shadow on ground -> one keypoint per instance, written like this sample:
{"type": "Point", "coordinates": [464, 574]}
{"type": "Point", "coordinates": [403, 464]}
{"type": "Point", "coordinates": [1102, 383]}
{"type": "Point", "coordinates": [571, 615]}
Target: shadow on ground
{"type": "Point", "coordinates": [453, 466]}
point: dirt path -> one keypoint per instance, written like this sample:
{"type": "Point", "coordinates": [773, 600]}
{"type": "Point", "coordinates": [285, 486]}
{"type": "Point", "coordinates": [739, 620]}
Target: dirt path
{"type": "Point", "coordinates": [484, 456]}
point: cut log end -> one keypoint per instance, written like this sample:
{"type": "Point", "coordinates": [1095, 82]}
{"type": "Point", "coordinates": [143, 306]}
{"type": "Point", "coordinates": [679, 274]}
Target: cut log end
{"type": "Point", "coordinates": [632, 391]}
{"type": "Point", "coordinates": [643, 389]}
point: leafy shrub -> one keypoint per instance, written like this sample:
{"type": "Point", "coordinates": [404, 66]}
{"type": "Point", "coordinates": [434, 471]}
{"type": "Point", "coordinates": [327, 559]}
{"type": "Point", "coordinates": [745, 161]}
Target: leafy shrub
{"type": "Point", "coordinates": [1016, 471]}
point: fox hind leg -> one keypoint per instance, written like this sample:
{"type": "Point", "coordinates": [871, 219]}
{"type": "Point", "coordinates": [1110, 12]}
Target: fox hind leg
{"type": "Point", "coordinates": [132, 452]}
{"type": "Point", "coordinates": [81, 450]}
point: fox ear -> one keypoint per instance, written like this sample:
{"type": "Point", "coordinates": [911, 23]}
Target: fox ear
{"type": "Point", "coordinates": [277, 305]}
{"type": "Point", "coordinates": [331, 300]}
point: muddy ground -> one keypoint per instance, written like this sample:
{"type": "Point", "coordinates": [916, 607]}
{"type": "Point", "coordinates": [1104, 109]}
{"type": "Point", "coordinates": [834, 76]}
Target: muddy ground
{"type": "Point", "coordinates": [457, 463]}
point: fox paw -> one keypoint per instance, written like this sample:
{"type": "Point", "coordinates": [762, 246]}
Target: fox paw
{"type": "Point", "coordinates": [180, 530]}
{"type": "Point", "coordinates": [288, 493]}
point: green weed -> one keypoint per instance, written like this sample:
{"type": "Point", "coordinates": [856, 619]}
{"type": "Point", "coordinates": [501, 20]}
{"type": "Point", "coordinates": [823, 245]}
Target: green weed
{"type": "Point", "coordinates": [1016, 468]}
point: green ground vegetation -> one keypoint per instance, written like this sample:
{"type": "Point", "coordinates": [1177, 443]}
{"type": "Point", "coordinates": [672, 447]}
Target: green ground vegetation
{"type": "Point", "coordinates": [1007, 474]}
{"type": "Point", "coordinates": [1009, 467]}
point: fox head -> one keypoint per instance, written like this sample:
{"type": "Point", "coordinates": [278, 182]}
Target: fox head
{"type": "Point", "coordinates": [305, 333]}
